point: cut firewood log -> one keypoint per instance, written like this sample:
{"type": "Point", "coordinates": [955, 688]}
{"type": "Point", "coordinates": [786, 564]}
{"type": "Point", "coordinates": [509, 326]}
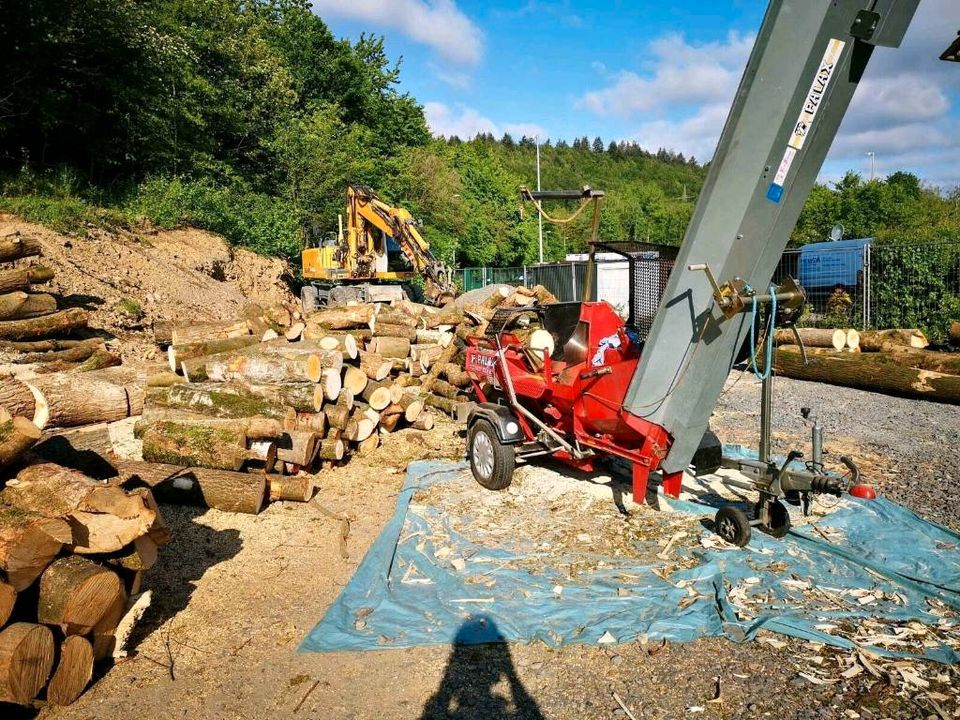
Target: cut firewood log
{"type": "Point", "coordinates": [390, 347]}
{"type": "Point", "coordinates": [76, 593]}
{"type": "Point", "coordinates": [8, 598]}
{"type": "Point", "coordinates": [853, 340]}
{"type": "Point", "coordinates": [268, 335]}
{"type": "Point", "coordinates": [429, 356]}
{"type": "Point", "coordinates": [412, 407]}
{"type": "Point", "coordinates": [102, 518]}
{"type": "Point", "coordinates": [425, 421]}
{"type": "Point", "coordinates": [10, 304]}
{"type": "Point", "coordinates": [140, 555]}
{"type": "Point", "coordinates": [103, 638]}
{"type": "Point", "coordinates": [390, 417]}
{"type": "Point", "coordinates": [189, 445]}
{"type": "Point", "coordinates": [219, 489]}
{"type": "Point", "coordinates": [390, 316]}
{"type": "Point", "coordinates": [218, 400]}
{"type": "Point", "coordinates": [19, 399]}
{"type": "Point", "coordinates": [73, 673]}
{"type": "Point", "coordinates": [176, 354]}
{"type": "Point", "coordinates": [24, 278]}
{"type": "Point", "coordinates": [17, 435]}
{"type": "Point", "coordinates": [870, 371]}
{"type": "Point", "coordinates": [441, 387]}
{"type": "Point", "coordinates": [449, 353]}
{"type": "Point", "coordinates": [28, 543]}
{"type": "Point", "coordinates": [343, 317]}
{"type": "Point", "coordinates": [26, 659]}
{"type": "Point", "coordinates": [377, 394]}
{"type": "Point", "coordinates": [61, 322]}
{"type": "Point", "coordinates": [375, 366]}
{"type": "Point", "coordinates": [71, 400]}
{"type": "Point", "coordinates": [331, 449]}
{"type": "Point", "coordinates": [541, 342]}
{"type": "Point", "coordinates": [337, 416]}
{"type": "Point", "coordinates": [297, 447]}
{"type": "Point", "coordinates": [17, 247]}
{"type": "Point", "coordinates": [99, 359]}
{"type": "Point", "coordinates": [78, 353]}
{"type": "Point", "coordinates": [203, 331]}
{"type": "Point", "coordinates": [455, 375]}
{"type": "Point", "coordinates": [345, 399]}
{"type": "Point", "coordinates": [360, 426]}
{"type": "Point", "coordinates": [294, 332]}
{"type": "Point", "coordinates": [315, 422]}
{"type": "Point", "coordinates": [365, 447]}
{"type": "Point", "coordinates": [331, 384]}
{"type": "Point", "coordinates": [344, 343]}
{"type": "Point", "coordinates": [446, 404]}
{"type": "Point", "coordinates": [406, 380]}
{"type": "Point", "coordinates": [417, 348]}
{"type": "Point", "coordinates": [543, 295]}
{"type": "Point", "coordinates": [434, 337]}
{"type": "Point", "coordinates": [812, 337]}
{"type": "Point", "coordinates": [880, 340]}
{"type": "Point", "coordinates": [43, 346]}
{"type": "Point", "coordinates": [298, 488]}
{"type": "Point", "coordinates": [449, 315]}
{"type": "Point", "coordinates": [30, 306]}
{"type": "Point", "coordinates": [407, 332]}
{"type": "Point", "coordinates": [354, 379]}
{"type": "Point", "coordinates": [252, 428]}
{"type": "Point", "coordinates": [496, 298]}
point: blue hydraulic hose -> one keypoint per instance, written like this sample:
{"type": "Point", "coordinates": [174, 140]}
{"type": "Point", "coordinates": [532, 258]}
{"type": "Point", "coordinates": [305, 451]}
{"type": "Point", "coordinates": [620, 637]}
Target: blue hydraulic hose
{"type": "Point", "coordinates": [768, 360]}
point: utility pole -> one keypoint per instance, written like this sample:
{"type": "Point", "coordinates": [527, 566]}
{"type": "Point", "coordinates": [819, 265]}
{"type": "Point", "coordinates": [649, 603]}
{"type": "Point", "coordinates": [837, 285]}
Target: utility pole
{"type": "Point", "coordinates": [873, 164]}
{"type": "Point", "coordinates": [539, 214]}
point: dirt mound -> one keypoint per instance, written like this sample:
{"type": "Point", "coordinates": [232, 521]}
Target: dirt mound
{"type": "Point", "coordinates": [131, 280]}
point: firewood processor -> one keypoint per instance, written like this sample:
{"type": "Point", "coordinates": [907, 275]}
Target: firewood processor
{"type": "Point", "coordinates": [642, 389]}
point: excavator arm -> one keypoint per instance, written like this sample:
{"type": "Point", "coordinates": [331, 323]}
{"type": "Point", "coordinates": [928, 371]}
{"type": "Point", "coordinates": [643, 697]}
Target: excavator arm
{"type": "Point", "coordinates": [365, 211]}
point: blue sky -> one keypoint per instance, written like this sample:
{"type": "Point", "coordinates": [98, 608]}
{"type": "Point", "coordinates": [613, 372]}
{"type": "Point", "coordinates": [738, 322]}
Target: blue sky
{"type": "Point", "coordinates": [660, 73]}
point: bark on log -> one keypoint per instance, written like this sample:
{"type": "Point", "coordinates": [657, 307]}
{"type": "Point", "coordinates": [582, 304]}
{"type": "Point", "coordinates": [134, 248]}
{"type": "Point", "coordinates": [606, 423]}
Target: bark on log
{"type": "Point", "coordinates": [447, 405]}
{"type": "Point", "coordinates": [375, 366]}
{"type": "Point", "coordinates": [377, 395]}
{"type": "Point", "coordinates": [24, 278]}
{"type": "Point", "coordinates": [315, 422]}
{"type": "Point", "coordinates": [10, 304]}
{"type": "Point", "coordinates": [80, 351]}
{"type": "Point", "coordinates": [26, 658]}
{"type": "Point", "coordinates": [99, 359]}
{"type": "Point", "coordinates": [871, 371]}
{"type": "Point", "coordinates": [219, 401]}
{"type": "Point", "coordinates": [164, 380]}
{"type": "Point", "coordinates": [331, 449]}
{"type": "Point", "coordinates": [8, 598]}
{"type": "Point", "coordinates": [297, 447]}
{"type": "Point", "coordinates": [385, 330]}
{"type": "Point", "coordinates": [212, 330]}
{"type": "Point", "coordinates": [449, 315]}
{"type": "Point", "coordinates": [343, 318]}
{"type": "Point", "coordinates": [17, 246]}
{"type": "Point", "coordinates": [429, 356]}
{"type": "Point", "coordinates": [441, 387]}
{"type": "Point", "coordinates": [448, 354]}
{"type": "Point", "coordinates": [337, 416]}
{"type": "Point", "coordinates": [390, 347]}
{"type": "Point", "coordinates": [941, 362]}
{"type": "Point", "coordinates": [499, 294]}
{"type": "Point", "coordinates": [302, 396]}
{"type": "Point", "coordinates": [389, 316]}
{"type": "Point", "coordinates": [76, 593]}
{"type": "Point", "coordinates": [219, 489]}
{"type": "Point", "coordinates": [455, 375]}
{"type": "Point", "coordinates": [879, 340]}
{"type": "Point", "coordinates": [163, 332]}
{"type": "Point", "coordinates": [354, 380]}
{"type": "Point", "coordinates": [33, 305]}
{"type": "Point", "coordinates": [272, 368]}
{"type": "Point", "coordinates": [190, 445]}
{"type": "Point", "coordinates": [73, 673]}
{"type": "Point", "coordinates": [28, 543]}
{"type": "Point", "coordinates": [17, 435]}
{"type": "Point", "coordinates": [426, 421]}
{"type": "Point", "coordinates": [812, 337]}
{"type": "Point", "coordinates": [43, 346]}
{"type": "Point", "coordinates": [71, 400]}
{"type": "Point", "coordinates": [298, 488]}
{"type": "Point", "coordinates": [61, 322]}
{"type": "Point", "coordinates": [434, 337]}
{"type": "Point", "coordinates": [178, 353]}
{"type": "Point", "coordinates": [390, 417]}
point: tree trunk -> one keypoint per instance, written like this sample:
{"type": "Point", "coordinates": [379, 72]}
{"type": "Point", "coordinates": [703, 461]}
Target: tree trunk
{"type": "Point", "coordinates": [16, 247]}
{"type": "Point", "coordinates": [99, 359]}
{"type": "Point", "coordinates": [8, 598]}
{"type": "Point", "coordinates": [33, 306]}
{"type": "Point", "coordinates": [343, 318]}
{"type": "Point", "coordinates": [301, 396]}
{"type": "Point", "coordinates": [79, 352]}
{"type": "Point", "coordinates": [315, 422]}
{"type": "Point", "coordinates": [178, 353]}
{"type": "Point", "coordinates": [42, 346]}
{"type": "Point", "coordinates": [190, 445]}
{"type": "Point", "coordinates": [219, 489]}
{"type": "Point", "coordinates": [28, 543]}
{"type": "Point", "coordinates": [76, 594]}
{"type": "Point", "coordinates": [425, 421]}
{"type": "Point", "coordinates": [941, 362]}
{"type": "Point", "coordinates": [70, 400]}
{"type": "Point", "coordinates": [61, 322]}
{"type": "Point", "coordinates": [354, 380]}
{"type": "Point", "coordinates": [331, 449]}
{"type": "Point", "coordinates": [390, 347]}
{"type": "Point", "coordinates": [274, 367]}
{"type": "Point", "coordinates": [375, 366]}
{"type": "Point", "coordinates": [879, 340]}
{"type": "Point", "coordinates": [377, 395]}
{"type": "Point", "coordinates": [17, 435]}
{"type": "Point", "coordinates": [212, 330]}
{"type": "Point", "coordinates": [73, 673]}
{"type": "Point", "coordinates": [216, 400]}
{"type": "Point", "coordinates": [870, 371]}
{"type": "Point", "coordinates": [298, 488]}
{"type": "Point", "coordinates": [26, 658]}
{"type": "Point", "coordinates": [23, 278]}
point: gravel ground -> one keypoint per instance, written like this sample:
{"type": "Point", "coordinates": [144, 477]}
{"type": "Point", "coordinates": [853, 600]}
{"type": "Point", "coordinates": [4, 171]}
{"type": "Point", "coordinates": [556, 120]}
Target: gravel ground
{"type": "Point", "coordinates": [906, 448]}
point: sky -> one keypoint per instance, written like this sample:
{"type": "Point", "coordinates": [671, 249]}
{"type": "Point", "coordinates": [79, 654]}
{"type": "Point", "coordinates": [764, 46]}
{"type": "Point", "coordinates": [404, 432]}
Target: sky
{"type": "Point", "coordinates": [659, 73]}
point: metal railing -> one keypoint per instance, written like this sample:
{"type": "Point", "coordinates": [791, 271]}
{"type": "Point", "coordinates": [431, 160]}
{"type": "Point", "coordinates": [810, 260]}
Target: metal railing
{"type": "Point", "coordinates": [868, 286]}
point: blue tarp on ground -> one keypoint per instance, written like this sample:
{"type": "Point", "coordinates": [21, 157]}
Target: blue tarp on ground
{"type": "Point", "coordinates": [866, 560]}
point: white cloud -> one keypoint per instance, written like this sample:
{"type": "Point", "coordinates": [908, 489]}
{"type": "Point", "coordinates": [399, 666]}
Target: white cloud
{"type": "Point", "coordinates": [466, 123]}
{"type": "Point", "coordinates": [695, 135]}
{"type": "Point", "coordinates": [439, 24]}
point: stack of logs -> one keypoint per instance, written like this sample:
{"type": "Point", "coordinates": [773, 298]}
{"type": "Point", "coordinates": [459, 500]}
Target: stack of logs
{"type": "Point", "coordinates": [32, 323]}
{"type": "Point", "coordinates": [896, 362]}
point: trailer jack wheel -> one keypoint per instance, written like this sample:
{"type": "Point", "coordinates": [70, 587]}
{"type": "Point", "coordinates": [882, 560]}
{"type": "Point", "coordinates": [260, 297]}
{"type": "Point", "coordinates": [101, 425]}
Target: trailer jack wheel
{"type": "Point", "coordinates": [492, 462]}
{"type": "Point", "coordinates": [778, 519]}
{"type": "Point", "coordinates": [732, 525]}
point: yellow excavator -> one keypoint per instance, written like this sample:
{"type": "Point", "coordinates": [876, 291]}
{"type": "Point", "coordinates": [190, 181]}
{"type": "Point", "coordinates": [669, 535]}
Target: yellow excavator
{"type": "Point", "coordinates": [357, 265]}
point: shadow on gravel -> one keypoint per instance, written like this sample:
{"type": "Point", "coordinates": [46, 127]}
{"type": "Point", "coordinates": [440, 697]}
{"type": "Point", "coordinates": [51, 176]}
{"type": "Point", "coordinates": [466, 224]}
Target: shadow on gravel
{"type": "Point", "coordinates": [480, 681]}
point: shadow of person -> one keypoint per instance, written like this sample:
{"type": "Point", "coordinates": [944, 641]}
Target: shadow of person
{"type": "Point", "coordinates": [480, 681]}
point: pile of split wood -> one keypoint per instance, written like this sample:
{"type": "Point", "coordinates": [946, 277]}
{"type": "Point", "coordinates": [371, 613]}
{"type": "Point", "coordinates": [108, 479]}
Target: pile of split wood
{"type": "Point", "coordinates": [889, 361]}
{"type": "Point", "coordinates": [73, 551]}
{"type": "Point", "coordinates": [33, 328]}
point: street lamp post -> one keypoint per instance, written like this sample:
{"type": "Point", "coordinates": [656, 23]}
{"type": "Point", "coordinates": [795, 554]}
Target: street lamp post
{"type": "Point", "coordinates": [539, 214]}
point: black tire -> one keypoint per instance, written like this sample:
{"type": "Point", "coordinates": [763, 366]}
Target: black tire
{"type": "Point", "coordinates": [732, 525]}
{"type": "Point", "coordinates": [491, 461]}
{"type": "Point", "coordinates": [779, 524]}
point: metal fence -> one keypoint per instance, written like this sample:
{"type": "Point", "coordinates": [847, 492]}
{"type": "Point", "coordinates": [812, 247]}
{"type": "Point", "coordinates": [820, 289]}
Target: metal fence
{"type": "Point", "coordinates": [869, 286]}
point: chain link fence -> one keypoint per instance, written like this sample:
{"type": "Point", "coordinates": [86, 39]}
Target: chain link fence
{"type": "Point", "coordinates": [851, 283]}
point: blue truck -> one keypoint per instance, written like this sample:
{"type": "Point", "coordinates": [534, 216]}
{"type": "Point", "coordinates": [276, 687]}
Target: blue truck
{"type": "Point", "coordinates": [825, 266]}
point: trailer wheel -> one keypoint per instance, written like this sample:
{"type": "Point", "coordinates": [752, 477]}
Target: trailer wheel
{"type": "Point", "coordinates": [779, 519]}
{"type": "Point", "coordinates": [732, 525]}
{"type": "Point", "coordinates": [492, 462]}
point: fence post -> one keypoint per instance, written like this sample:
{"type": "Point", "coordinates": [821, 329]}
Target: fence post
{"type": "Point", "coordinates": [573, 278]}
{"type": "Point", "coordinates": [525, 283]}
{"type": "Point", "coordinates": [866, 286]}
